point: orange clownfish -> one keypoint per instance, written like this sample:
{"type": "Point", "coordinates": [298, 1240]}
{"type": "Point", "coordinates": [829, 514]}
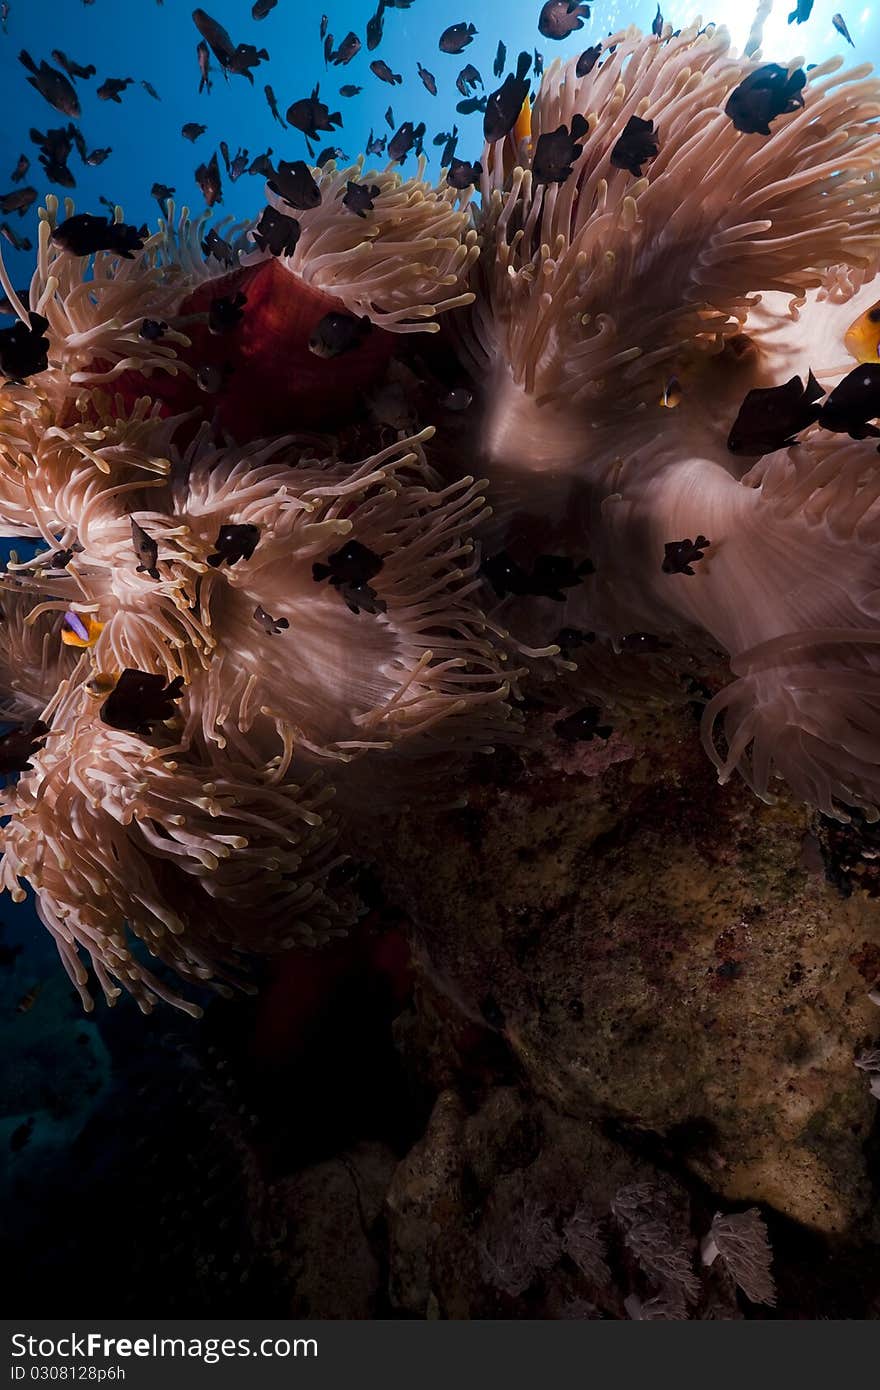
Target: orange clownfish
{"type": "Point", "coordinates": [862, 340]}
{"type": "Point", "coordinates": [80, 631]}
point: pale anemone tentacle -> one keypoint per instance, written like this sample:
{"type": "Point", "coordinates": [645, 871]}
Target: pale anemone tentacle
{"type": "Point", "coordinates": [117, 834]}
{"type": "Point", "coordinates": [425, 674]}
{"type": "Point", "coordinates": [565, 262]}
{"type": "Point", "coordinates": [404, 264]}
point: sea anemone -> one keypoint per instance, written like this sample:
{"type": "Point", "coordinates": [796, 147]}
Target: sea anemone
{"type": "Point", "coordinates": [724, 263]}
{"type": "Point", "coordinates": [203, 863]}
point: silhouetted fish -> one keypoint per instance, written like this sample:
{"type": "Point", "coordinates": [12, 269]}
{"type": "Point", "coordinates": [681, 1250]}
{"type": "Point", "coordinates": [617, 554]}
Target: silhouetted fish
{"type": "Point", "coordinates": [208, 179]}
{"type": "Point", "coordinates": [84, 234]}
{"type": "Point", "coordinates": [382, 71]}
{"type": "Point", "coordinates": [768, 92]}
{"type": "Point", "coordinates": [504, 106]}
{"type": "Point", "coordinates": [277, 233]}
{"type": "Point", "coordinates": [559, 18]}
{"type": "Point", "coordinates": [24, 349]}
{"type": "Point", "coordinates": [72, 68]}
{"type": "Point", "coordinates": [112, 88]}
{"type": "Point", "coordinates": [139, 700]}
{"type": "Point", "coordinates": [457, 37]}
{"type": "Point", "coordinates": [295, 184]}
{"type": "Point", "coordinates": [52, 85]}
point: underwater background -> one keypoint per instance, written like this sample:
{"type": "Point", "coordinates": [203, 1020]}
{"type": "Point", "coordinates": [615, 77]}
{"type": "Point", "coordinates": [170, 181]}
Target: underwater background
{"type": "Point", "coordinates": [135, 1150]}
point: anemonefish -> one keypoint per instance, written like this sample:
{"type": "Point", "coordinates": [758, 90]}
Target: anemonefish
{"type": "Point", "coordinates": [862, 340]}
{"type": "Point", "coordinates": [80, 631]}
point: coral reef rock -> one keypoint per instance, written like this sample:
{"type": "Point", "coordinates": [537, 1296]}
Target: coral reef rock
{"type": "Point", "coordinates": [661, 954]}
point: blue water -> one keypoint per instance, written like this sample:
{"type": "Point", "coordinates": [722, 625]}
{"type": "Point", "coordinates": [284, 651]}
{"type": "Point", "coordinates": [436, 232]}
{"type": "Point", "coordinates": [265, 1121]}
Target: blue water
{"type": "Point", "coordinates": [144, 40]}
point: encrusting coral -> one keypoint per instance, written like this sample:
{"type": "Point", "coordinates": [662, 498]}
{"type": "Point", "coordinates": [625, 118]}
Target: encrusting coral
{"type": "Point", "coordinates": [255, 581]}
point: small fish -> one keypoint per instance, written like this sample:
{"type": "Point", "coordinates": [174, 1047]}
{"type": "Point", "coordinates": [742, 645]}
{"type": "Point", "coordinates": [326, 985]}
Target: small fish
{"type": "Point", "coordinates": [150, 89]}
{"type": "Point", "coordinates": [338, 333]}
{"type": "Point", "coordinates": [657, 26]}
{"type": "Point", "coordinates": [840, 25]}
{"type": "Point", "coordinates": [500, 59]}
{"type": "Point", "coordinates": [557, 151]}
{"type": "Point", "coordinates": [571, 639]}
{"type": "Point", "coordinates": [204, 56]}
{"type": "Point", "coordinates": [349, 570]}
{"type": "Point", "coordinates": [24, 1006]}
{"type": "Point", "coordinates": [384, 73]}
{"type": "Point", "coordinates": [112, 89]}
{"type": "Point", "coordinates": [539, 63]}
{"type": "Point", "coordinates": [4, 15]}
{"type": "Point", "coordinates": [213, 245]}
{"type": "Point", "coordinates": [457, 37]}
{"type": "Point", "coordinates": [277, 233]}
{"type": "Point", "coordinates": [459, 398]}
{"type": "Point", "coordinates": [226, 313]}
{"type": "Point", "coordinates": [239, 165]}
{"type": "Point", "coordinates": [636, 146]}
{"type": "Point", "coordinates": [323, 26]}
{"type": "Point", "coordinates": [85, 234]}
{"type": "Point", "coordinates": [210, 378]}
{"type": "Point", "coordinates": [192, 131]}
{"type": "Point", "coordinates": [146, 549]}
{"type": "Point", "coordinates": [672, 394]}
{"type": "Point", "coordinates": [403, 141]}
{"type": "Point", "coordinates": [348, 49]}
{"type": "Point", "coordinates": [76, 633]}
{"type": "Point", "coordinates": [376, 144]}
{"type": "Point", "coordinates": [139, 700]}
{"type": "Point", "coordinates": [767, 93]}
{"type": "Point", "coordinates": [449, 141]}
{"type": "Point", "coordinates": [802, 12]}
{"type": "Point", "coordinates": [72, 68]}
{"type": "Point", "coordinates": [463, 175]}
{"type": "Point", "coordinates": [328, 50]}
{"type": "Point", "coordinates": [854, 403]}
{"type": "Point", "coordinates": [468, 79]}
{"type": "Point", "coordinates": [97, 157]}
{"type": "Point", "coordinates": [588, 60]}
{"type": "Point", "coordinates": [21, 168]}
{"type": "Point", "coordinates": [862, 339]}
{"type": "Point", "coordinates": [55, 149]}
{"type": "Point", "coordinates": [359, 198]}
{"type": "Point", "coordinates": [161, 192]}
{"type": "Point", "coordinates": [428, 79]}
{"type": "Point", "coordinates": [389, 119]}
{"type": "Point", "coordinates": [19, 200]}
{"type": "Point", "coordinates": [350, 91]}
{"type": "Point", "coordinates": [151, 330]}
{"type": "Point", "coordinates": [61, 558]}
{"type": "Point", "coordinates": [18, 243]}
{"type": "Point", "coordinates": [233, 58]}
{"type": "Point", "coordinates": [18, 746]}
{"type": "Point", "coordinates": [234, 543]}
{"type": "Point", "coordinates": [263, 165]}
{"type": "Point", "coordinates": [770, 418]}
{"type": "Point", "coordinates": [551, 575]}
{"type": "Point", "coordinates": [582, 726]}
{"type": "Point", "coordinates": [268, 623]}
{"type": "Point", "coordinates": [261, 8]}
{"type": "Point", "coordinates": [207, 177]}
{"type": "Point", "coordinates": [311, 115]}
{"type": "Point", "coordinates": [559, 18]}
{"type": "Point", "coordinates": [504, 106]}
{"type": "Point", "coordinates": [681, 556]}
{"type": "Point", "coordinates": [295, 184]}
{"type": "Point", "coordinates": [52, 85]}
{"type": "Point", "coordinates": [375, 27]}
